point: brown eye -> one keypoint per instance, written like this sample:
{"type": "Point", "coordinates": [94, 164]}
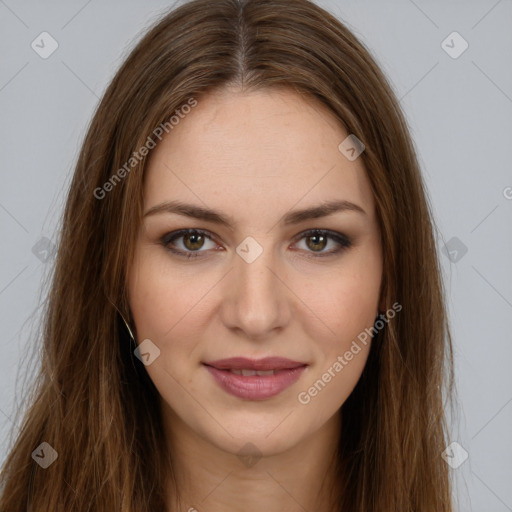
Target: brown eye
{"type": "Point", "coordinates": [190, 243]}
{"type": "Point", "coordinates": [316, 242]}
{"type": "Point", "coordinates": [193, 241]}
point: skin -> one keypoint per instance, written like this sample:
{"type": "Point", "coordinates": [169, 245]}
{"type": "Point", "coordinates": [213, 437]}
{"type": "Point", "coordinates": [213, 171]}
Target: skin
{"type": "Point", "coordinates": [255, 157]}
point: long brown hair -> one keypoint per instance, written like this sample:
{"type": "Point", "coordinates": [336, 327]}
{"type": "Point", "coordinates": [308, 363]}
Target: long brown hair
{"type": "Point", "coordinates": [93, 401]}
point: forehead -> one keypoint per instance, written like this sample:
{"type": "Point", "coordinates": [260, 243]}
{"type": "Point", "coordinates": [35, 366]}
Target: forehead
{"type": "Point", "coordinates": [240, 149]}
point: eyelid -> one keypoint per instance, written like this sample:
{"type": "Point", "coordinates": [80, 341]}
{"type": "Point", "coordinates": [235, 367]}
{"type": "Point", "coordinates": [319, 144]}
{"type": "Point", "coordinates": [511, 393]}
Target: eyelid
{"type": "Point", "coordinates": [344, 242]}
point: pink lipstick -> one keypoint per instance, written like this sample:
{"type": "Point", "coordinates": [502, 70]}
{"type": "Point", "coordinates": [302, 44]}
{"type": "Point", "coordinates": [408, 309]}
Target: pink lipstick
{"type": "Point", "coordinates": [255, 379]}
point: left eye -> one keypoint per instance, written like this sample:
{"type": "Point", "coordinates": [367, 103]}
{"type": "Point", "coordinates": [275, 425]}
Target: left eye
{"type": "Point", "coordinates": [317, 239]}
{"type": "Point", "coordinates": [194, 239]}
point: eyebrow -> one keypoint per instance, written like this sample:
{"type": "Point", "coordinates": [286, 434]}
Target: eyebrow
{"type": "Point", "coordinates": [290, 218]}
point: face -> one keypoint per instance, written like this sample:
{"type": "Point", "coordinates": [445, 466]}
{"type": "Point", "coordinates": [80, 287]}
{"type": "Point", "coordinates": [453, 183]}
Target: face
{"type": "Point", "coordinates": [251, 277]}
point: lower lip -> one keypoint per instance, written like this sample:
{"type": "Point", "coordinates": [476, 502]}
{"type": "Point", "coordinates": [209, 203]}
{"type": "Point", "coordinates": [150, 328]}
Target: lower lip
{"type": "Point", "coordinates": [256, 387]}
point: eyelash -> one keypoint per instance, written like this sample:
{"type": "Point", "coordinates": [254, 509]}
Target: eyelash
{"type": "Point", "coordinates": [343, 241]}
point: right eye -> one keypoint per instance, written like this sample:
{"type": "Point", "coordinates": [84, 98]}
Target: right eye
{"type": "Point", "coordinates": [193, 241]}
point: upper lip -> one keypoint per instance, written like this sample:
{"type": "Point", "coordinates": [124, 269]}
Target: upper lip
{"type": "Point", "coordinates": [244, 363]}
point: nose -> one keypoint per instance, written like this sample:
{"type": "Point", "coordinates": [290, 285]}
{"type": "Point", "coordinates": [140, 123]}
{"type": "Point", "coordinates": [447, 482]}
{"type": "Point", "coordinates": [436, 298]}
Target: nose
{"type": "Point", "coordinates": [256, 300]}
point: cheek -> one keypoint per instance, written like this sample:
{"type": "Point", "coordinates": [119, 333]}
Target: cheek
{"type": "Point", "coordinates": [345, 301]}
{"type": "Point", "coordinates": [347, 310]}
{"type": "Point", "coordinates": [347, 305]}
{"type": "Point", "coordinates": [330, 386]}
{"type": "Point", "coordinates": [149, 296]}
{"type": "Point", "coordinates": [166, 304]}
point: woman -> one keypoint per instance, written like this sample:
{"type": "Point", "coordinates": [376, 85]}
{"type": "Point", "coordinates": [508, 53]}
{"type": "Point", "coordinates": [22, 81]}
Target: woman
{"type": "Point", "coordinates": [246, 311]}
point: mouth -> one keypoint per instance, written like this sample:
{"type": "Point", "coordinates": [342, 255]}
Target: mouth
{"type": "Point", "coordinates": [250, 373]}
{"type": "Point", "coordinates": [255, 379]}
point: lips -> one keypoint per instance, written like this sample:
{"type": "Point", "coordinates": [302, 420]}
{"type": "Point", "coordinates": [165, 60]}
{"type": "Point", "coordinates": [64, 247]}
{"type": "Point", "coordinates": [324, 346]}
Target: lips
{"type": "Point", "coordinates": [243, 363]}
{"type": "Point", "coordinates": [255, 379]}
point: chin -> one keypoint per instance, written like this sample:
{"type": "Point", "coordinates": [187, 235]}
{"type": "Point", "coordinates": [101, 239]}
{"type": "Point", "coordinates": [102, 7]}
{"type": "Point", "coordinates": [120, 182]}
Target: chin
{"type": "Point", "coordinates": [267, 434]}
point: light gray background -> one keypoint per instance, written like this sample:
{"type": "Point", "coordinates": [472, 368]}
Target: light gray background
{"type": "Point", "coordinates": [460, 114]}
